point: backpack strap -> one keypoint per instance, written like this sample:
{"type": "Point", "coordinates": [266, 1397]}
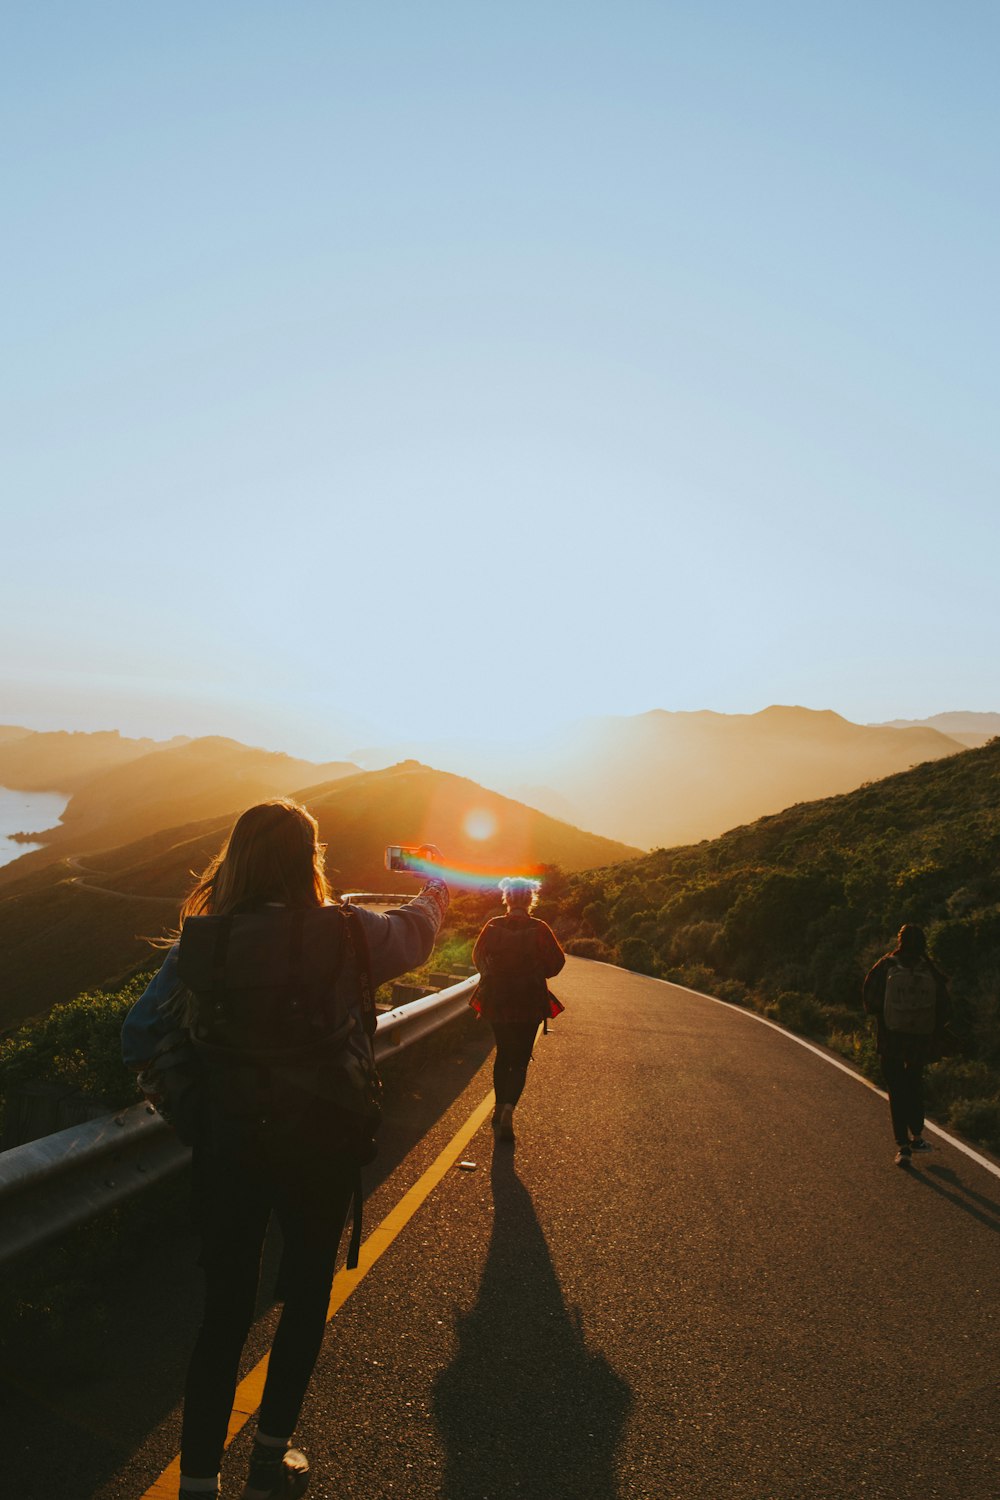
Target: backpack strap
{"type": "Point", "coordinates": [359, 947]}
{"type": "Point", "coordinates": [219, 949]}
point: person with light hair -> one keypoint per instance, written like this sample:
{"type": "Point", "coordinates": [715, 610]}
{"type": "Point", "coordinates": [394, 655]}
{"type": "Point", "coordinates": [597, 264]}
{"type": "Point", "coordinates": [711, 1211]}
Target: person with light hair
{"type": "Point", "coordinates": [515, 955]}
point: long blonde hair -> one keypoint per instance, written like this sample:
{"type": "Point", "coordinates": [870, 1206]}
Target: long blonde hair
{"type": "Point", "coordinates": [272, 854]}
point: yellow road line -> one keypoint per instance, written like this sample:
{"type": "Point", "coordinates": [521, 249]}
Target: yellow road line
{"type": "Point", "coordinates": [251, 1387]}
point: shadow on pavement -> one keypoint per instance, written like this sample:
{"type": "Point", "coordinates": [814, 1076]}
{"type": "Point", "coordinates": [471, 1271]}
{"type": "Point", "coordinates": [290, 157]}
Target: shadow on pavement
{"type": "Point", "coordinates": [985, 1210]}
{"type": "Point", "coordinates": [525, 1407]}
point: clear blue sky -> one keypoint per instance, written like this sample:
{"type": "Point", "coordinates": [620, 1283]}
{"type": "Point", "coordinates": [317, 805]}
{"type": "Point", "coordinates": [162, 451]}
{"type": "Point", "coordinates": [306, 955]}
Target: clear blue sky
{"type": "Point", "coordinates": [383, 369]}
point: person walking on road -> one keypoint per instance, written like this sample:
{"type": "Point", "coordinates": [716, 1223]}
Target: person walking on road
{"type": "Point", "coordinates": [515, 954]}
{"type": "Point", "coordinates": [270, 989]}
{"type": "Point", "coordinates": [908, 996]}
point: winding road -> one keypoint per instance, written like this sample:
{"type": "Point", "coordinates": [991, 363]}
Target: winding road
{"type": "Point", "coordinates": [696, 1274]}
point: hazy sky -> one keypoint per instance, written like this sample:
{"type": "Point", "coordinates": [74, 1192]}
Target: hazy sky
{"type": "Point", "coordinates": [393, 369]}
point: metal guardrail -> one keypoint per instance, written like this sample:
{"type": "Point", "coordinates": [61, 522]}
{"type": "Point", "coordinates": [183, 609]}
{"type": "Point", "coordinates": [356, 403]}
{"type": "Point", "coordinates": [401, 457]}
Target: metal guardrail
{"type": "Point", "coordinates": [53, 1184]}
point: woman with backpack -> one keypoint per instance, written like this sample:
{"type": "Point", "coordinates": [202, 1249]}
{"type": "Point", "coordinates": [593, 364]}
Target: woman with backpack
{"type": "Point", "coordinates": [908, 996]}
{"type": "Point", "coordinates": [515, 954]}
{"type": "Point", "coordinates": [273, 983]}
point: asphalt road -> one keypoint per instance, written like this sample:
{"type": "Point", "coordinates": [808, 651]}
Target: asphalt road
{"type": "Point", "coordinates": [696, 1274]}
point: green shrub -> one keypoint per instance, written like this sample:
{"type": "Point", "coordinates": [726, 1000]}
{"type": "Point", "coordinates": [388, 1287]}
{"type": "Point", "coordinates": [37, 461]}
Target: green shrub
{"type": "Point", "coordinates": [595, 915]}
{"type": "Point", "coordinates": [588, 947]}
{"type": "Point", "coordinates": [697, 942]}
{"type": "Point", "coordinates": [957, 1078]}
{"type": "Point", "coordinates": [843, 1018]}
{"type": "Point", "coordinates": [979, 1119]}
{"type": "Point", "coordinates": [635, 953]}
{"type": "Point", "coordinates": [857, 1047]}
{"type": "Point", "coordinates": [797, 1011]}
{"type": "Point", "coordinates": [78, 1044]}
{"type": "Point", "coordinates": [694, 977]}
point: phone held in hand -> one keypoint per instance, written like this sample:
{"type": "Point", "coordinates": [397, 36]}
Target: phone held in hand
{"type": "Point", "coordinates": [408, 859]}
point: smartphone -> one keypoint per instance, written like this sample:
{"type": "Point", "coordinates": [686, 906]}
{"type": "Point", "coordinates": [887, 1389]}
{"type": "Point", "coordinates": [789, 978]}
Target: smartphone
{"type": "Point", "coordinates": [407, 859]}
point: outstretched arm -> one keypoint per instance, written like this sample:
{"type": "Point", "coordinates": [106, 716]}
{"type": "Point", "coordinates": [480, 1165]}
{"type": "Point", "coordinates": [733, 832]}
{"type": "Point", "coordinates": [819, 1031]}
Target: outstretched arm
{"type": "Point", "coordinates": [403, 938]}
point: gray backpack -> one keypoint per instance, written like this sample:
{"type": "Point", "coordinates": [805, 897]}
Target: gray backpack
{"type": "Point", "coordinates": [910, 1000]}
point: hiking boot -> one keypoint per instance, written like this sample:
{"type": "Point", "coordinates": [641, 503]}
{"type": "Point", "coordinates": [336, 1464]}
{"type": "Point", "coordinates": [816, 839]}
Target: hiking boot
{"type": "Point", "coordinates": [919, 1144]}
{"type": "Point", "coordinates": [505, 1126]}
{"type": "Point", "coordinates": [276, 1473]}
{"type": "Point", "coordinates": [203, 1491]}
{"type": "Point", "coordinates": [903, 1157]}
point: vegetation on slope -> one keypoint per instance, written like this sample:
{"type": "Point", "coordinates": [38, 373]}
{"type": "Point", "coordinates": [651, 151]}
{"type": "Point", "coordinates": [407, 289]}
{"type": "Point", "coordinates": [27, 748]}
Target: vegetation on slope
{"type": "Point", "coordinates": [789, 913]}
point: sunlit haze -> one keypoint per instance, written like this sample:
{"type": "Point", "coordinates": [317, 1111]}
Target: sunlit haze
{"type": "Point", "coordinates": [398, 372]}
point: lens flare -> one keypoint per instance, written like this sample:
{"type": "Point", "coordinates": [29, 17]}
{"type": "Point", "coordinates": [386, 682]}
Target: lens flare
{"type": "Point", "coordinates": [480, 823]}
{"type": "Point", "coordinates": [471, 877]}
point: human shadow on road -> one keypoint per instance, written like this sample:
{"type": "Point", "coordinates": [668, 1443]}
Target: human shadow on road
{"type": "Point", "coordinates": [957, 1192]}
{"type": "Point", "coordinates": [525, 1408]}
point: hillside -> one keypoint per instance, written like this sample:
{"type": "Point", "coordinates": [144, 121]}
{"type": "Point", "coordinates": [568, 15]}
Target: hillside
{"type": "Point", "coordinates": [789, 913]}
{"type": "Point", "coordinates": [197, 779]}
{"type": "Point", "coordinates": [61, 761]}
{"type": "Point", "coordinates": [969, 729]}
{"type": "Point", "coordinates": [659, 779]}
{"type": "Point", "coordinates": [71, 927]}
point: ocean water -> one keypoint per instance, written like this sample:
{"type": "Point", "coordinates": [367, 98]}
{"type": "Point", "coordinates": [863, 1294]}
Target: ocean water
{"type": "Point", "coordinates": [26, 812]}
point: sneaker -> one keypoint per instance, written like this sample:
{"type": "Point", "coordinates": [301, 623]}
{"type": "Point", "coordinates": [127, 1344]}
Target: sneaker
{"type": "Point", "coordinates": [276, 1473]}
{"type": "Point", "coordinates": [919, 1144]}
{"type": "Point", "coordinates": [505, 1129]}
{"type": "Point", "coordinates": [903, 1157]}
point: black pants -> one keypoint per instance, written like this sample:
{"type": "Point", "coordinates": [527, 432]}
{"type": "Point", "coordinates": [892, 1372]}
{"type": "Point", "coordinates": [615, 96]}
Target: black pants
{"type": "Point", "coordinates": [905, 1082]}
{"type": "Point", "coordinates": [515, 1040]}
{"type": "Point", "coordinates": [237, 1202]}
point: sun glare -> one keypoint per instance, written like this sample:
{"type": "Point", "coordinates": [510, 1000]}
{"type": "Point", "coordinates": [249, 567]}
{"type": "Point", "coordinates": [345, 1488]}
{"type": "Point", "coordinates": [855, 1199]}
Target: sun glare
{"type": "Point", "coordinates": [480, 823]}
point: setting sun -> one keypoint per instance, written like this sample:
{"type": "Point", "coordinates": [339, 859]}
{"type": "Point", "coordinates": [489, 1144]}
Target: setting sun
{"type": "Point", "coordinates": [480, 823]}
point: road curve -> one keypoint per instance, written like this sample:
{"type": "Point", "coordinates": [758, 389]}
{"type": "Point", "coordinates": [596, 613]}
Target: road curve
{"type": "Point", "coordinates": [697, 1274]}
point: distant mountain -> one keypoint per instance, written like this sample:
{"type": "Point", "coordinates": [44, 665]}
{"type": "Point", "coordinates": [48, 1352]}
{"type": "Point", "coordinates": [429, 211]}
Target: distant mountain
{"type": "Point", "coordinates": [59, 761]}
{"type": "Point", "coordinates": [675, 778]}
{"type": "Point", "coordinates": [165, 787]}
{"type": "Point", "coordinates": [72, 926]}
{"type": "Point", "coordinates": [969, 729]}
{"type": "Point", "coordinates": [660, 778]}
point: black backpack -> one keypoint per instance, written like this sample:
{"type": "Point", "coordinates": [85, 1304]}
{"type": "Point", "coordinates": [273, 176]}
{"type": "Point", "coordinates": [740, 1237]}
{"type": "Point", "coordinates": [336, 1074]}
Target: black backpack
{"type": "Point", "coordinates": [283, 1050]}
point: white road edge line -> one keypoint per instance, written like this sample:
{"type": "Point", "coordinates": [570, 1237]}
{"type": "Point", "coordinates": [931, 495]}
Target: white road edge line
{"type": "Point", "coordinates": [834, 1062]}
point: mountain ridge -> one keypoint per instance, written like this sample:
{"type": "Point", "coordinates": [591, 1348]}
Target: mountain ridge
{"type": "Point", "coordinates": [662, 777]}
{"type": "Point", "coordinates": [74, 925]}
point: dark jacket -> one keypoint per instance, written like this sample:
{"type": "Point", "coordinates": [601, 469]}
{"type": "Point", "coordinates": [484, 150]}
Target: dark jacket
{"type": "Point", "coordinates": [891, 1044]}
{"type": "Point", "coordinates": [515, 954]}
